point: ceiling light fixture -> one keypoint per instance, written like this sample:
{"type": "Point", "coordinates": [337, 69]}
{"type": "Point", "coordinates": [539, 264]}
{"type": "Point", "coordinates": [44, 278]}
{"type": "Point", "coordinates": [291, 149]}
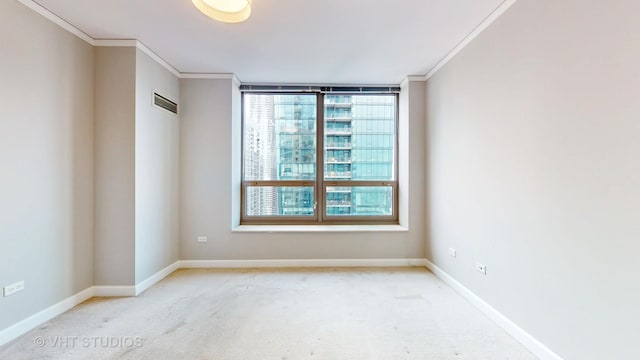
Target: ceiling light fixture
{"type": "Point", "coordinates": [229, 11]}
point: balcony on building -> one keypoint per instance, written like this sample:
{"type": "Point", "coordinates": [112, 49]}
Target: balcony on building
{"type": "Point", "coordinates": [331, 175]}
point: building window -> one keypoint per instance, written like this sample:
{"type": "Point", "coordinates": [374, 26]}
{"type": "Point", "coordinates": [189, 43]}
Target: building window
{"type": "Point", "coordinates": [319, 157]}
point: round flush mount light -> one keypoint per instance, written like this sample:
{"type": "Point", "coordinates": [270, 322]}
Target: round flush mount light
{"type": "Point", "coordinates": [229, 11]}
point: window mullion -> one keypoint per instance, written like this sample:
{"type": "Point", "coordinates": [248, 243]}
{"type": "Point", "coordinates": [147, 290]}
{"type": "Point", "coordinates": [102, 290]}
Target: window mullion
{"type": "Point", "coordinates": [320, 194]}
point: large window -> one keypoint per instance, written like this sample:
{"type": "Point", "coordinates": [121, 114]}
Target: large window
{"type": "Point", "coordinates": [319, 157]}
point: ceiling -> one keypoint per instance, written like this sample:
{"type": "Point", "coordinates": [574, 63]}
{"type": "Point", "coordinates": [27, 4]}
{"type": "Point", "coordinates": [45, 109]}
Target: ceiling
{"type": "Point", "coordinates": [289, 41]}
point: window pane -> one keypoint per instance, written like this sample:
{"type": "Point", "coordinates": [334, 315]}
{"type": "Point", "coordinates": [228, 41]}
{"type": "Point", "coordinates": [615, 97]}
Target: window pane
{"type": "Point", "coordinates": [280, 201]}
{"type": "Point", "coordinates": [279, 137]}
{"type": "Point", "coordinates": [359, 201]}
{"type": "Point", "coordinates": [359, 137]}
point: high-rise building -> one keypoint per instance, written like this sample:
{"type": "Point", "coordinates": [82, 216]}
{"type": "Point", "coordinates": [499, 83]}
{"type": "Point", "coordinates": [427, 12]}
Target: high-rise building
{"type": "Point", "coordinates": [359, 145]}
{"type": "Point", "coordinates": [280, 144]}
{"type": "Point", "coordinates": [295, 118]}
{"type": "Point", "coordinates": [259, 159]}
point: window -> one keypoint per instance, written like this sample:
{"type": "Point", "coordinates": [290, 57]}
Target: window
{"type": "Point", "coordinates": [319, 157]}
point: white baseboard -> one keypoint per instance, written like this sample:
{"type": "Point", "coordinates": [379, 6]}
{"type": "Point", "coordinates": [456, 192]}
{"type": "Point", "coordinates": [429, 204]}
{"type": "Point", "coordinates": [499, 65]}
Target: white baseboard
{"type": "Point", "coordinates": [47, 314]}
{"type": "Point", "coordinates": [526, 339]}
{"type": "Point", "coordinates": [114, 291]}
{"type": "Point", "coordinates": [20, 328]}
{"type": "Point", "coordinates": [151, 280]}
{"type": "Point", "coordinates": [290, 263]}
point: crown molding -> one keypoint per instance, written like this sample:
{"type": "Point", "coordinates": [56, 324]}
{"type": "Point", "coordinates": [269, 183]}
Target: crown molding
{"type": "Point", "coordinates": [139, 45]}
{"type": "Point", "coordinates": [236, 81]}
{"type": "Point", "coordinates": [46, 13]}
{"type": "Point", "coordinates": [504, 6]}
{"type": "Point", "coordinates": [412, 78]}
{"type": "Point", "coordinates": [217, 76]}
{"type": "Point", "coordinates": [57, 20]}
{"type": "Point", "coordinates": [115, 42]}
{"type": "Point", "coordinates": [158, 59]}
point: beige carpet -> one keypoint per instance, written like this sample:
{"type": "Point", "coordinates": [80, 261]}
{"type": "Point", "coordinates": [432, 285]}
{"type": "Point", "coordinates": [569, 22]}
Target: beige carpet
{"type": "Point", "coordinates": [400, 313]}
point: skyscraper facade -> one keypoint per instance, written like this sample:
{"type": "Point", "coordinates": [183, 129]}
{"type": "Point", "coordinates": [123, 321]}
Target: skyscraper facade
{"type": "Point", "coordinates": [359, 146]}
{"type": "Point", "coordinates": [280, 143]}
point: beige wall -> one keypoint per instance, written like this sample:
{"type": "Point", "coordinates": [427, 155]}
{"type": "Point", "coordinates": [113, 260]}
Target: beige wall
{"type": "Point", "coordinates": [210, 168]}
{"type": "Point", "coordinates": [534, 152]}
{"type": "Point", "coordinates": [412, 160]}
{"type": "Point", "coordinates": [137, 168]}
{"type": "Point", "coordinates": [46, 162]}
{"type": "Point", "coordinates": [115, 90]}
{"type": "Point", "coordinates": [157, 169]}
{"type": "Point", "coordinates": [531, 145]}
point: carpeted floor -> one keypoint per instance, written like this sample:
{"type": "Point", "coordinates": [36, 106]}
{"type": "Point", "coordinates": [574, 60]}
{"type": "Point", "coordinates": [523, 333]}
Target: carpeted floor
{"type": "Point", "coordinates": [399, 313]}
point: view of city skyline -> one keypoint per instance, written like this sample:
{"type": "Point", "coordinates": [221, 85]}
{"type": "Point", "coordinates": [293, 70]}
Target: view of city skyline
{"type": "Point", "coordinates": [280, 143]}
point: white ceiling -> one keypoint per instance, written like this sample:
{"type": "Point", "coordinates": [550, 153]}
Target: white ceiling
{"type": "Point", "coordinates": [289, 41]}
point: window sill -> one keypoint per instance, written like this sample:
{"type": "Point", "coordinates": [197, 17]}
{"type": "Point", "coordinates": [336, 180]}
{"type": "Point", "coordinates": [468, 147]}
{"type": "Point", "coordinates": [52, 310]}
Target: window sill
{"type": "Point", "coordinates": [318, 228]}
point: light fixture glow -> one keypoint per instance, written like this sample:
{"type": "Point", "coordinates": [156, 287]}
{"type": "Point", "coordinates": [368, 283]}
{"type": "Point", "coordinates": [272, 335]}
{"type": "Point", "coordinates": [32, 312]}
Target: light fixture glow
{"type": "Point", "coordinates": [229, 11]}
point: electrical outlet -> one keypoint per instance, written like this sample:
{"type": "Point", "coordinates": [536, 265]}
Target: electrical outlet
{"type": "Point", "coordinates": [13, 288]}
{"type": "Point", "coordinates": [202, 239]}
{"type": "Point", "coordinates": [481, 268]}
{"type": "Point", "coordinates": [452, 252]}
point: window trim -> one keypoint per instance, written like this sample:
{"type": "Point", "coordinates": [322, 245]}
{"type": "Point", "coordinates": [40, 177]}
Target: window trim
{"type": "Point", "coordinates": [320, 217]}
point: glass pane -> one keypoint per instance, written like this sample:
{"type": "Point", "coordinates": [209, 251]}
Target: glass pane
{"type": "Point", "coordinates": [359, 201]}
{"type": "Point", "coordinates": [279, 137]}
{"type": "Point", "coordinates": [280, 201]}
{"type": "Point", "coordinates": [359, 137]}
